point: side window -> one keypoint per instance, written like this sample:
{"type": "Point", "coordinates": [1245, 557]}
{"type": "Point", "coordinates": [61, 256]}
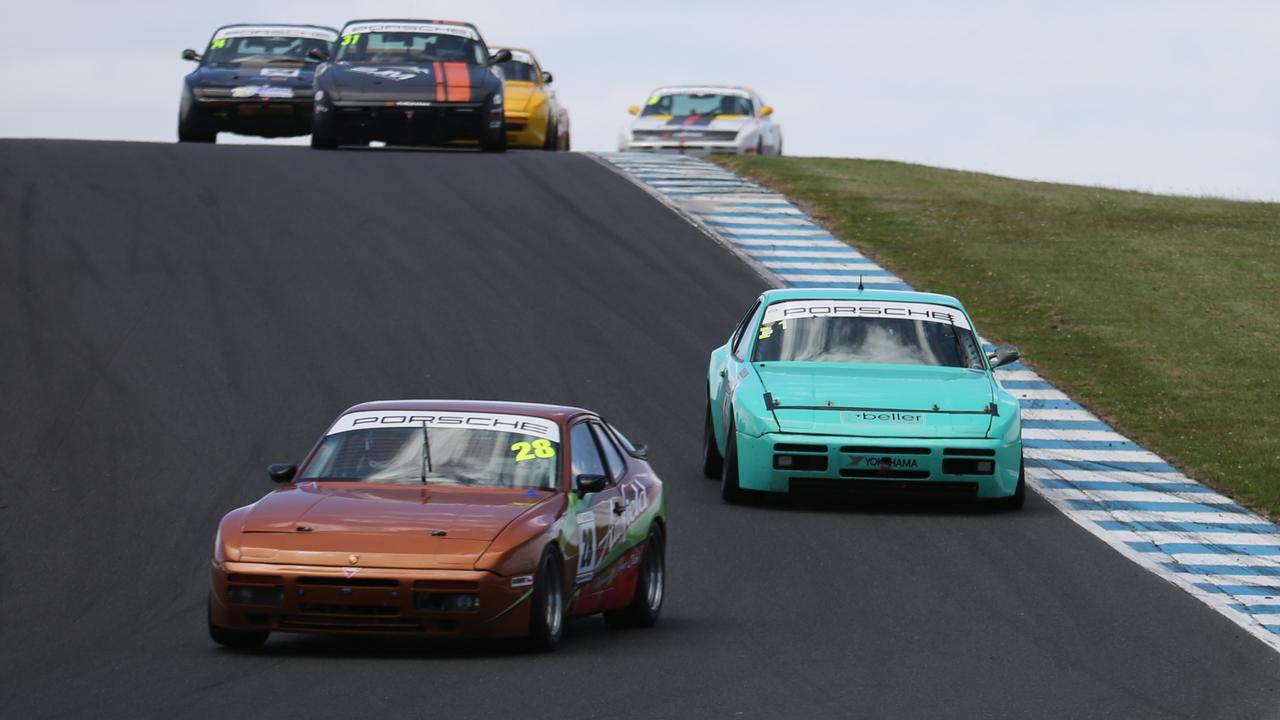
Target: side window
{"type": "Point", "coordinates": [744, 333]}
{"type": "Point", "coordinates": [622, 439]}
{"type": "Point", "coordinates": [617, 465]}
{"type": "Point", "coordinates": [586, 457]}
{"type": "Point", "coordinates": [742, 328]}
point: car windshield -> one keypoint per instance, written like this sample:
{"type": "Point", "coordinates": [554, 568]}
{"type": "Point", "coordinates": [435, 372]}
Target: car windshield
{"type": "Point", "coordinates": [475, 449]}
{"type": "Point", "coordinates": [854, 332]}
{"type": "Point", "coordinates": [684, 104]}
{"type": "Point", "coordinates": [410, 44]}
{"type": "Point", "coordinates": [266, 45]}
{"type": "Point", "coordinates": [518, 70]}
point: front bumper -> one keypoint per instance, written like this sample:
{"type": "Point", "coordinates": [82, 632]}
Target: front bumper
{"type": "Point", "coordinates": [372, 601]}
{"type": "Point", "coordinates": [257, 116]}
{"type": "Point", "coordinates": [411, 123]}
{"type": "Point", "coordinates": [526, 131]}
{"type": "Point", "coordinates": [696, 148]}
{"type": "Point", "coordinates": [780, 462]}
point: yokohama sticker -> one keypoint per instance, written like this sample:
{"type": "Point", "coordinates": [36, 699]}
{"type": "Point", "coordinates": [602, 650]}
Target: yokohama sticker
{"type": "Point", "coordinates": [493, 422]}
{"type": "Point", "coordinates": [796, 309]}
{"type": "Point", "coordinates": [276, 31]}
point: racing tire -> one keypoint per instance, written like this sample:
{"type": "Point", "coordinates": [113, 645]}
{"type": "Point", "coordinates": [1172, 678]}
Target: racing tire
{"type": "Point", "coordinates": [646, 604]}
{"type": "Point", "coordinates": [493, 141]}
{"type": "Point", "coordinates": [324, 134]}
{"type": "Point", "coordinates": [546, 609]}
{"type": "Point", "coordinates": [760, 147]}
{"type": "Point", "coordinates": [235, 639]}
{"type": "Point", "coordinates": [192, 130]}
{"type": "Point", "coordinates": [1019, 496]}
{"type": "Point", "coordinates": [712, 461]}
{"type": "Point", "coordinates": [730, 491]}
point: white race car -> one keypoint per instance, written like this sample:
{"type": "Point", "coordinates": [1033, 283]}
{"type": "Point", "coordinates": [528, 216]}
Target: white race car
{"type": "Point", "coordinates": [703, 120]}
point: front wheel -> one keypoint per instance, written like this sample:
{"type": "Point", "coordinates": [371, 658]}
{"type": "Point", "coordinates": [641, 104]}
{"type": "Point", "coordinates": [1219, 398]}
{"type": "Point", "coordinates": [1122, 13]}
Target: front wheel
{"type": "Point", "coordinates": [712, 461]}
{"type": "Point", "coordinates": [192, 129]}
{"type": "Point", "coordinates": [493, 140]}
{"type": "Point", "coordinates": [646, 604]}
{"type": "Point", "coordinates": [552, 142]}
{"type": "Point", "coordinates": [1019, 496]}
{"type": "Point", "coordinates": [730, 491]}
{"type": "Point", "coordinates": [235, 639]}
{"type": "Point", "coordinates": [546, 612]}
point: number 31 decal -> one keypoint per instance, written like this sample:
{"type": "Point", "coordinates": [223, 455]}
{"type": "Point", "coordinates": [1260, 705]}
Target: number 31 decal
{"type": "Point", "coordinates": [540, 449]}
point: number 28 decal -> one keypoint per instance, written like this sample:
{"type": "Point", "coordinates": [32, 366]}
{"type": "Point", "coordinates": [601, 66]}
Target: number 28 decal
{"type": "Point", "coordinates": [540, 449]}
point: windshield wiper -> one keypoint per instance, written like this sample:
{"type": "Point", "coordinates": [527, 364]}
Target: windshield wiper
{"type": "Point", "coordinates": [426, 453]}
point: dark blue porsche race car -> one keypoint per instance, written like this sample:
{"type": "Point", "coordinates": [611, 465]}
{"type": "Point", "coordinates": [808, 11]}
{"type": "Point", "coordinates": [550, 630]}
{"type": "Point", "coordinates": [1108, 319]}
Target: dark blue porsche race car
{"type": "Point", "coordinates": [253, 80]}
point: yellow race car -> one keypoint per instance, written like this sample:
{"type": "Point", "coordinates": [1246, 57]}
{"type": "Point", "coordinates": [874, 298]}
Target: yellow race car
{"type": "Point", "coordinates": [535, 118]}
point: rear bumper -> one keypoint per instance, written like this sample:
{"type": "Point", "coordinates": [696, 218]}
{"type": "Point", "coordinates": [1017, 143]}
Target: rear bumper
{"type": "Point", "coordinates": [778, 462]}
{"type": "Point", "coordinates": [372, 601]}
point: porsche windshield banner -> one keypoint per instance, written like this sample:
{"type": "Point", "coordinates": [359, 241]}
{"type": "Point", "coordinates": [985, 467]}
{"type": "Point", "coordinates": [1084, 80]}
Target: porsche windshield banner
{"type": "Point", "coordinates": [928, 312]}
{"type": "Point", "coordinates": [274, 31]}
{"type": "Point", "coordinates": [493, 422]}
{"type": "Point", "coordinates": [421, 28]}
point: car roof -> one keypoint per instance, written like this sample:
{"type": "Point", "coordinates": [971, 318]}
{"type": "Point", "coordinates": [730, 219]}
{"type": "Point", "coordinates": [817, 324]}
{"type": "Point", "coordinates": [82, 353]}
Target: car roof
{"type": "Point", "coordinates": [297, 25]}
{"type": "Point", "coordinates": [771, 296]}
{"type": "Point", "coordinates": [673, 88]}
{"type": "Point", "coordinates": [424, 21]}
{"type": "Point", "coordinates": [559, 413]}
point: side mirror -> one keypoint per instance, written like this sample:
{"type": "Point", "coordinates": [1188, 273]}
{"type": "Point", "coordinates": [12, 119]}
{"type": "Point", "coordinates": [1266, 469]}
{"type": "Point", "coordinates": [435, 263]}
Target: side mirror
{"type": "Point", "coordinates": [191, 55]}
{"type": "Point", "coordinates": [547, 77]}
{"type": "Point", "coordinates": [766, 111]}
{"type": "Point", "coordinates": [503, 55]}
{"type": "Point", "coordinates": [318, 54]}
{"type": "Point", "coordinates": [1003, 355]}
{"type": "Point", "coordinates": [591, 484]}
{"type": "Point", "coordinates": [634, 109]}
{"type": "Point", "coordinates": [281, 472]}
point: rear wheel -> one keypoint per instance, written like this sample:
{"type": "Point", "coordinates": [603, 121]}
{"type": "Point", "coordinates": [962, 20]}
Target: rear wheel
{"type": "Point", "coordinates": [712, 461]}
{"type": "Point", "coordinates": [730, 491]}
{"type": "Point", "coordinates": [646, 604]}
{"type": "Point", "coordinates": [546, 612]}
{"type": "Point", "coordinates": [235, 639]}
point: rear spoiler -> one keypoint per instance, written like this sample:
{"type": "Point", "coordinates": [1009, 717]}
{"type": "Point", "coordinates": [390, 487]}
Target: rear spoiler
{"type": "Point", "coordinates": [991, 409]}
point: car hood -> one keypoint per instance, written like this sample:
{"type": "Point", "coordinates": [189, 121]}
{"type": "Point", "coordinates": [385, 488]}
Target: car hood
{"type": "Point", "coordinates": [236, 75]}
{"type": "Point", "coordinates": [392, 526]}
{"type": "Point", "coordinates": [520, 96]}
{"type": "Point", "coordinates": [426, 82]}
{"type": "Point", "coordinates": [879, 400]}
{"type": "Point", "coordinates": [690, 123]}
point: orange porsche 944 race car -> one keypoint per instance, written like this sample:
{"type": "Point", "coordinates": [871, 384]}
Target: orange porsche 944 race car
{"type": "Point", "coordinates": [446, 518]}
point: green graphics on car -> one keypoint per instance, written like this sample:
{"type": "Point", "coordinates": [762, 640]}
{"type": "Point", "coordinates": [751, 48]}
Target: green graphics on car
{"type": "Point", "coordinates": [861, 390]}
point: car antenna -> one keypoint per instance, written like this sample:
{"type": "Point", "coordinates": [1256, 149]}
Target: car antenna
{"type": "Point", "coordinates": [426, 453]}
{"type": "Point", "coordinates": [860, 287]}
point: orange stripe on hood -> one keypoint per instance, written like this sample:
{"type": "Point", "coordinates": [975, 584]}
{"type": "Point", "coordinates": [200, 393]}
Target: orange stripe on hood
{"type": "Point", "coordinates": [458, 80]}
{"type": "Point", "coordinates": [439, 82]}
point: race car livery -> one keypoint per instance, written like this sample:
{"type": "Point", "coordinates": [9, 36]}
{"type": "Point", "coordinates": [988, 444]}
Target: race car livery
{"type": "Point", "coordinates": [703, 120]}
{"type": "Point", "coordinates": [446, 519]}
{"type": "Point", "coordinates": [535, 118]}
{"type": "Point", "coordinates": [252, 80]}
{"type": "Point", "coordinates": [861, 391]}
{"type": "Point", "coordinates": [410, 82]}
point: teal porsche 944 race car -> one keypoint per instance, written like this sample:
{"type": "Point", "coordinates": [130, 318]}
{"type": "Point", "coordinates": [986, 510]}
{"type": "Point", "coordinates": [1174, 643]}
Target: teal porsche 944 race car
{"type": "Point", "coordinates": [877, 392]}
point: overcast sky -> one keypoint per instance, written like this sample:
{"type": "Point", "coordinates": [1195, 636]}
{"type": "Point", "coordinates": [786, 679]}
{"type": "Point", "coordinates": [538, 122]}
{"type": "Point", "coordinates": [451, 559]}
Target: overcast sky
{"type": "Point", "coordinates": [1156, 95]}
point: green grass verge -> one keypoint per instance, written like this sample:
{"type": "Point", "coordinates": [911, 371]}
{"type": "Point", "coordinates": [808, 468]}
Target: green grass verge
{"type": "Point", "coordinates": [1159, 314]}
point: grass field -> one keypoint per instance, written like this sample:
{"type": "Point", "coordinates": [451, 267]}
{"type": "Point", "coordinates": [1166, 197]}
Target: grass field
{"type": "Point", "coordinates": [1160, 314]}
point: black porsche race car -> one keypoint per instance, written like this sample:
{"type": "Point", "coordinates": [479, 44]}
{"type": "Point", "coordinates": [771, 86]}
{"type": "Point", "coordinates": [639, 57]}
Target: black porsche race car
{"type": "Point", "coordinates": [409, 82]}
{"type": "Point", "coordinates": [253, 80]}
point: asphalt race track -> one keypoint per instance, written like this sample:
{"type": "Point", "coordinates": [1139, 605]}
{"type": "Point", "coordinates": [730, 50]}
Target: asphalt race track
{"type": "Point", "coordinates": [174, 318]}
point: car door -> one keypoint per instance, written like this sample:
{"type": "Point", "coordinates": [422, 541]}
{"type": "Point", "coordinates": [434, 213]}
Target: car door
{"type": "Point", "coordinates": [593, 512]}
